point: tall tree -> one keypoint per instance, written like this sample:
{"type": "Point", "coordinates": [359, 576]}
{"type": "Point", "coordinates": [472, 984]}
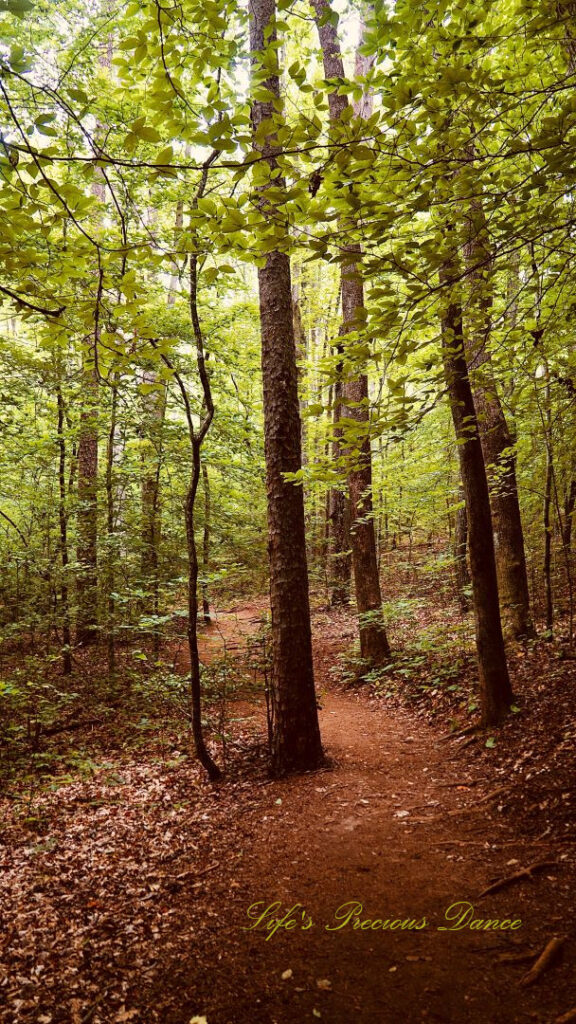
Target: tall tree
{"type": "Point", "coordinates": [87, 545]}
{"type": "Point", "coordinates": [498, 442]}
{"type": "Point", "coordinates": [374, 647]}
{"type": "Point", "coordinates": [495, 689]}
{"type": "Point", "coordinates": [296, 741]}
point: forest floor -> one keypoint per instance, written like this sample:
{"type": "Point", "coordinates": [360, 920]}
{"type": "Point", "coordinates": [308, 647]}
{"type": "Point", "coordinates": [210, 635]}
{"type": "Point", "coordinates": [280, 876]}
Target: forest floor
{"type": "Point", "coordinates": [126, 891]}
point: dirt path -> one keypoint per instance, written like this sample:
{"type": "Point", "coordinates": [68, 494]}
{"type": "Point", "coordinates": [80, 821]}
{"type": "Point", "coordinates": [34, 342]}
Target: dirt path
{"type": "Point", "coordinates": [390, 834]}
{"type": "Point", "coordinates": [125, 891]}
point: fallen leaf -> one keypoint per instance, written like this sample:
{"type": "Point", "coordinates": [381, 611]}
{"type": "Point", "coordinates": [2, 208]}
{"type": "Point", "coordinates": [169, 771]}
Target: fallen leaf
{"type": "Point", "coordinates": [324, 984]}
{"type": "Point", "coordinates": [124, 1015]}
{"type": "Point", "coordinates": [287, 974]}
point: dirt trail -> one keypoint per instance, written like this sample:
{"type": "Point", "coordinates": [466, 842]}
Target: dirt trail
{"type": "Point", "coordinates": [389, 829]}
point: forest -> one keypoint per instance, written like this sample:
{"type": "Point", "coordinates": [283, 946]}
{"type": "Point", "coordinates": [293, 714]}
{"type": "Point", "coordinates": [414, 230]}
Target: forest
{"type": "Point", "coordinates": [288, 482]}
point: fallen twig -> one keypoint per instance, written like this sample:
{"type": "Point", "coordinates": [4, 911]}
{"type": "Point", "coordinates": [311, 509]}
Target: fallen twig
{"type": "Point", "coordinates": [490, 796]}
{"type": "Point", "coordinates": [517, 876]}
{"type": "Point", "coordinates": [456, 785]}
{"type": "Point", "coordinates": [546, 958]}
{"type": "Point", "coordinates": [566, 1018]}
{"type": "Point", "coordinates": [460, 732]}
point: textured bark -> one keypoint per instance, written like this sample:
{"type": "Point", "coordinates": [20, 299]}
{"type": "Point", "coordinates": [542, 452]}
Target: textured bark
{"type": "Point", "coordinates": [495, 690]}
{"type": "Point", "coordinates": [569, 506]}
{"type": "Point", "coordinates": [87, 472]}
{"type": "Point", "coordinates": [296, 735]}
{"type": "Point", "coordinates": [374, 647]}
{"type": "Point", "coordinates": [339, 540]}
{"type": "Point", "coordinates": [460, 554]}
{"type": "Point", "coordinates": [498, 443]}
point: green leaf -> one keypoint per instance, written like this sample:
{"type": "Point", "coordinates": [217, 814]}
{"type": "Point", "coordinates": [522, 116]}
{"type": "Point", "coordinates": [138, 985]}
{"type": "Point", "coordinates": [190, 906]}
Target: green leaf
{"type": "Point", "coordinates": [17, 7]}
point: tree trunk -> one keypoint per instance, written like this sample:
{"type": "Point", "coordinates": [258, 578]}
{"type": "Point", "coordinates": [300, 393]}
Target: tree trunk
{"type": "Point", "coordinates": [296, 735]}
{"type": "Point", "coordinates": [548, 541]}
{"type": "Point", "coordinates": [153, 424]}
{"type": "Point", "coordinates": [87, 471]}
{"type": "Point", "coordinates": [339, 540]}
{"type": "Point", "coordinates": [569, 505]}
{"type": "Point", "coordinates": [548, 489]}
{"type": "Point", "coordinates": [498, 444]}
{"type": "Point", "coordinates": [374, 647]}
{"type": "Point", "coordinates": [495, 690]}
{"type": "Point", "coordinates": [111, 536]}
{"type": "Point", "coordinates": [196, 439]}
{"type": "Point", "coordinates": [206, 545]}
{"type": "Point", "coordinates": [63, 523]}
{"type": "Point", "coordinates": [460, 553]}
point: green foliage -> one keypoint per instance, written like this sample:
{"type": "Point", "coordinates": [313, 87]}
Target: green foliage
{"type": "Point", "coordinates": [110, 121]}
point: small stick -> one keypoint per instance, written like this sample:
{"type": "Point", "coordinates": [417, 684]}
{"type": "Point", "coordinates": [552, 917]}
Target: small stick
{"type": "Point", "coordinates": [490, 796]}
{"type": "Point", "coordinates": [454, 785]}
{"type": "Point", "coordinates": [567, 1018]}
{"type": "Point", "coordinates": [546, 958]}
{"type": "Point", "coordinates": [518, 875]}
{"type": "Point", "coordinates": [460, 732]}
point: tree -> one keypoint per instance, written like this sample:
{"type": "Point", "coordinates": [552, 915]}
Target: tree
{"type": "Point", "coordinates": [296, 735]}
{"type": "Point", "coordinates": [495, 690]}
{"type": "Point", "coordinates": [353, 395]}
{"type": "Point", "coordinates": [498, 443]}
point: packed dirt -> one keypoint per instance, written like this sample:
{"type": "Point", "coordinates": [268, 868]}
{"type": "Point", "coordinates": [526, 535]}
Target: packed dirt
{"type": "Point", "coordinates": [142, 903]}
{"type": "Point", "coordinates": [386, 836]}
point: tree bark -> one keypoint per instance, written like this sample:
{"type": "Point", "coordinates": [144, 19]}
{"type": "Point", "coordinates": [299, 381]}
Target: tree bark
{"type": "Point", "coordinates": [495, 690]}
{"type": "Point", "coordinates": [206, 544]}
{"type": "Point", "coordinates": [460, 553]}
{"type": "Point", "coordinates": [153, 423]}
{"type": "Point", "coordinates": [87, 473]}
{"type": "Point", "coordinates": [63, 523]}
{"type": "Point", "coordinates": [569, 506]}
{"type": "Point", "coordinates": [111, 536]}
{"type": "Point", "coordinates": [498, 443]}
{"type": "Point", "coordinates": [374, 647]}
{"type": "Point", "coordinates": [296, 741]}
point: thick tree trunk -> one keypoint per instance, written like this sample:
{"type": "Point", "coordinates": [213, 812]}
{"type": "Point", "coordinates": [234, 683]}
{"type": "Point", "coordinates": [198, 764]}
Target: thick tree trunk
{"type": "Point", "coordinates": [296, 735]}
{"type": "Point", "coordinates": [374, 647]}
{"type": "Point", "coordinates": [495, 689]}
{"type": "Point", "coordinates": [498, 444]}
